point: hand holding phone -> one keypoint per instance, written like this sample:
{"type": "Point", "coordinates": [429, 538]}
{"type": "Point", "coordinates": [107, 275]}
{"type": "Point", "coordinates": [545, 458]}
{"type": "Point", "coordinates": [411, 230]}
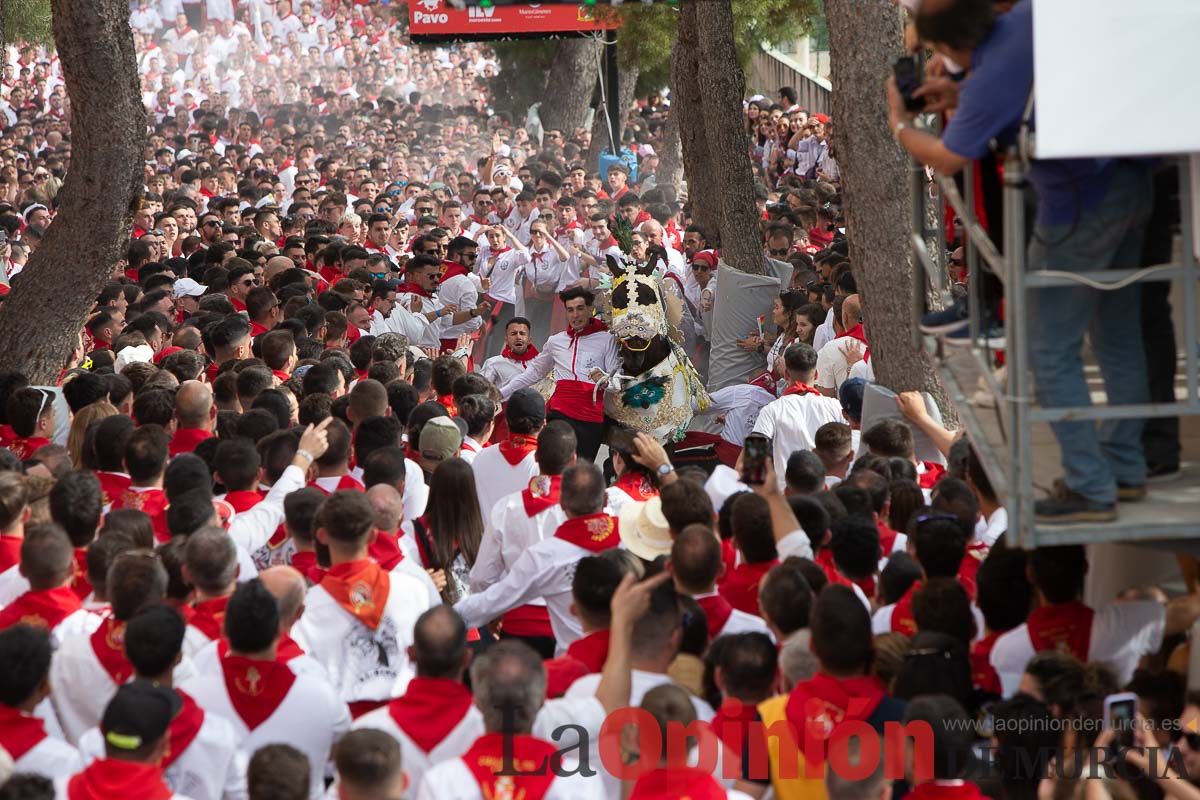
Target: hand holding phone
{"type": "Point", "coordinates": [755, 452]}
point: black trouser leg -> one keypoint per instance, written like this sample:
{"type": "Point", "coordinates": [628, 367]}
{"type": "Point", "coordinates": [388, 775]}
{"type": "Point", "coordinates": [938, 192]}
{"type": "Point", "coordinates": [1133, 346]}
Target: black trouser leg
{"type": "Point", "coordinates": [1160, 437]}
{"type": "Point", "coordinates": [588, 435]}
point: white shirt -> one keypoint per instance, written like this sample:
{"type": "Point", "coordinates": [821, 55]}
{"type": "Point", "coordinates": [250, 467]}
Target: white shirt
{"type": "Point", "coordinates": [462, 293]}
{"type": "Point", "coordinates": [405, 322]}
{"type": "Point", "coordinates": [211, 768]}
{"type": "Point", "coordinates": [988, 530]}
{"type": "Point", "coordinates": [452, 780]}
{"type": "Point", "coordinates": [364, 664]}
{"type": "Point", "coordinates": [572, 359]}
{"type": "Point", "coordinates": [520, 226]}
{"type": "Point", "coordinates": [495, 479]}
{"type": "Point", "coordinates": [740, 405]}
{"type": "Point", "coordinates": [791, 423]}
{"type": "Point", "coordinates": [500, 370]}
{"type": "Point", "coordinates": [545, 269]}
{"type": "Point", "coordinates": [825, 331]}
{"type": "Point", "coordinates": [51, 757]}
{"type": "Point", "coordinates": [832, 367]}
{"type": "Point", "coordinates": [510, 532]}
{"type": "Point", "coordinates": [310, 718]}
{"type": "Point", "coordinates": [1121, 634]}
{"type": "Point", "coordinates": [253, 528]}
{"type": "Point", "coordinates": [208, 658]}
{"type": "Point", "coordinates": [739, 621]}
{"type": "Point", "coordinates": [503, 271]}
{"type": "Point", "coordinates": [408, 302]}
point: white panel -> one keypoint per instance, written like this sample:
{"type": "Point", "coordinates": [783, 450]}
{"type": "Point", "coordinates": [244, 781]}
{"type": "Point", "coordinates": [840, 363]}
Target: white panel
{"type": "Point", "coordinates": [1115, 77]}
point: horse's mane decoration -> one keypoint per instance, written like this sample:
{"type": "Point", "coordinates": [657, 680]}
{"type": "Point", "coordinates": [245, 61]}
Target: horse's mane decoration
{"type": "Point", "coordinates": [657, 389]}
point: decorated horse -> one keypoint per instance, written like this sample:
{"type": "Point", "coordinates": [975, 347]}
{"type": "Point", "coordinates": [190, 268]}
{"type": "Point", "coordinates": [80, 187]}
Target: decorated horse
{"type": "Point", "coordinates": [656, 390]}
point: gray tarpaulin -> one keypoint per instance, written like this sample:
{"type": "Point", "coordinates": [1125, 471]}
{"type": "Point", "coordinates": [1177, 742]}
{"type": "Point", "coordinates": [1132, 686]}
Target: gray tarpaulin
{"type": "Point", "coordinates": [740, 298]}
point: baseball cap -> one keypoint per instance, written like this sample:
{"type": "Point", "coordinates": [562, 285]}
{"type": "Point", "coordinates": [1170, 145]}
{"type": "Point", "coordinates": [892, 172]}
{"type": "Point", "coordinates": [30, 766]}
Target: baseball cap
{"type": "Point", "coordinates": [851, 396]}
{"type": "Point", "coordinates": [644, 530]}
{"type": "Point", "coordinates": [139, 714]}
{"type": "Point", "coordinates": [525, 403]}
{"type": "Point", "coordinates": [441, 438]}
{"type": "Point", "coordinates": [186, 287]}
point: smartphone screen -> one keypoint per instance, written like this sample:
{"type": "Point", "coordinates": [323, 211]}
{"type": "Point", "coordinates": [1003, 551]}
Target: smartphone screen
{"type": "Point", "coordinates": [1120, 715]}
{"type": "Point", "coordinates": [755, 452]}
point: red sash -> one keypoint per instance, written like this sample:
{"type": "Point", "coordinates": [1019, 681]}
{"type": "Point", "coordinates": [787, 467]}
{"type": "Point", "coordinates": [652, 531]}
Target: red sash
{"type": "Point", "coordinates": [19, 732]}
{"type": "Point", "coordinates": [385, 550]}
{"type": "Point", "coordinates": [902, 613]}
{"type": "Point", "coordinates": [526, 620]}
{"type": "Point", "coordinates": [494, 752]}
{"type": "Point", "coordinates": [106, 778]}
{"type": "Point", "coordinates": [529, 354]}
{"type": "Point", "coordinates": [801, 389]}
{"type": "Point", "coordinates": [741, 586]}
{"type": "Point", "coordinates": [543, 492]}
{"type": "Point", "coordinates": [635, 484]}
{"type": "Point", "coordinates": [574, 399]}
{"type": "Point", "coordinates": [983, 676]}
{"type": "Point", "coordinates": [516, 447]}
{"type": "Point", "coordinates": [817, 706]}
{"type": "Point", "coordinates": [183, 730]}
{"type": "Point", "coordinates": [256, 687]}
{"type": "Point", "coordinates": [677, 783]}
{"type": "Point", "coordinates": [112, 485]}
{"type": "Point", "coordinates": [429, 709]}
{"type": "Point", "coordinates": [717, 612]}
{"type": "Point", "coordinates": [10, 551]}
{"type": "Point", "coordinates": [932, 474]}
{"type": "Point", "coordinates": [108, 643]}
{"type": "Point", "coordinates": [244, 499]}
{"type": "Point", "coordinates": [1065, 627]}
{"type": "Point", "coordinates": [594, 532]}
{"type": "Point", "coordinates": [42, 609]}
{"type": "Point", "coordinates": [360, 587]}
{"type": "Point", "coordinates": [208, 616]}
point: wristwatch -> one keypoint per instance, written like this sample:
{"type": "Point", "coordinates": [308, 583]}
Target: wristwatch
{"type": "Point", "coordinates": [664, 470]}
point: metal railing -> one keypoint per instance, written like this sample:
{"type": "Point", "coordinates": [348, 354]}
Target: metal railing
{"type": "Point", "coordinates": [770, 69]}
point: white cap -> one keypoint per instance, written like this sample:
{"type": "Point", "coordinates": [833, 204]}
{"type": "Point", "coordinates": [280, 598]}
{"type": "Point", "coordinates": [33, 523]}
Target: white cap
{"type": "Point", "coordinates": [129, 355]}
{"type": "Point", "coordinates": [186, 287]}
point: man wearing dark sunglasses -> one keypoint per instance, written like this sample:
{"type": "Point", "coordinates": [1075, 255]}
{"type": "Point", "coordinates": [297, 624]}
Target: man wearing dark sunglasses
{"type": "Point", "coordinates": [241, 281]}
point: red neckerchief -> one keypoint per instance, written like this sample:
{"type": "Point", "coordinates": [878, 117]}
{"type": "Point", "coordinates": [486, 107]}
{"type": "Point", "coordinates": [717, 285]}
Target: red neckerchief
{"type": "Point", "coordinates": [285, 649]}
{"type": "Point", "coordinates": [523, 761]}
{"type": "Point", "coordinates": [529, 354]}
{"type": "Point", "coordinates": [478, 220]}
{"type": "Point", "coordinates": [594, 532]}
{"type": "Point", "coordinates": [976, 552]}
{"type": "Point", "coordinates": [452, 269]}
{"type": "Point", "coordinates": [542, 492]}
{"type": "Point", "coordinates": [244, 499]}
{"type": "Point", "coordinates": [183, 729]}
{"type": "Point", "coordinates": [347, 483]}
{"type": "Point", "coordinates": [516, 447]}
{"type": "Point", "coordinates": [238, 305]}
{"type": "Point", "coordinates": [741, 586]}
{"type": "Point", "coordinates": [798, 388]}
{"type": "Point", "coordinates": [817, 706]}
{"type": "Point", "coordinates": [819, 236]}
{"type": "Point", "coordinates": [283, 376]}
{"type": "Point", "coordinates": [361, 587]}
{"type": "Point", "coordinates": [429, 709]}
{"type": "Point", "coordinates": [902, 613]}
{"type": "Point", "coordinates": [983, 675]}
{"type": "Point", "coordinates": [42, 609]}
{"type": "Point", "coordinates": [186, 439]}
{"type": "Point", "coordinates": [106, 778]}
{"type": "Point", "coordinates": [733, 724]}
{"type": "Point", "coordinates": [153, 502]}
{"type": "Point", "coordinates": [447, 400]}
{"type": "Point", "coordinates": [635, 484]}
{"type": "Point", "coordinates": [959, 790]}
{"type": "Point", "coordinates": [256, 687]}
{"type": "Point", "coordinates": [584, 656]}
{"type": "Point", "coordinates": [496, 253]}
{"type": "Point", "coordinates": [305, 562]}
{"type": "Point", "coordinates": [717, 612]}
{"type": "Point", "coordinates": [858, 333]}
{"type": "Point", "coordinates": [19, 732]}
{"type": "Point", "coordinates": [887, 538]}
{"type": "Point", "coordinates": [1065, 627]}
{"type": "Point", "coordinates": [408, 287]}
{"type": "Point", "coordinates": [208, 616]}
{"type": "Point", "coordinates": [24, 447]}
{"type": "Point", "coordinates": [257, 329]}
{"type": "Point", "coordinates": [611, 241]}
{"type": "Point", "coordinates": [594, 325]}
{"type": "Point", "coordinates": [385, 550]}
{"type": "Point", "coordinates": [932, 474]}
{"type": "Point", "coordinates": [108, 643]}
{"type": "Point", "coordinates": [80, 584]}
{"type": "Point", "coordinates": [10, 551]}
{"type": "Point", "coordinates": [677, 783]}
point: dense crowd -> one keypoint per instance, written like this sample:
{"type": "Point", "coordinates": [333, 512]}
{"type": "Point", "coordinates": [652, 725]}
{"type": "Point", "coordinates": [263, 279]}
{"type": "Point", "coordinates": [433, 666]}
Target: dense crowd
{"type": "Point", "coordinates": [329, 500]}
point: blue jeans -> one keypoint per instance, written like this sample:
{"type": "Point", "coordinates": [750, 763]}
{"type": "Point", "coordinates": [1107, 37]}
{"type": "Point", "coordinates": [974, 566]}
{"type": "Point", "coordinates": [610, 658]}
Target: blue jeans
{"type": "Point", "coordinates": [1109, 236]}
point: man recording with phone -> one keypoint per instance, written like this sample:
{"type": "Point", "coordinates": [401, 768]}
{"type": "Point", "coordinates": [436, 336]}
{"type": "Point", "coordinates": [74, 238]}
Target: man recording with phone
{"type": "Point", "coordinates": [1092, 214]}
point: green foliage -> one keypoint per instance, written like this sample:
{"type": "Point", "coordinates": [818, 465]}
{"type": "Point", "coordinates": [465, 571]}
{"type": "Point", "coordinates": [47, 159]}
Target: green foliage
{"type": "Point", "coordinates": [26, 21]}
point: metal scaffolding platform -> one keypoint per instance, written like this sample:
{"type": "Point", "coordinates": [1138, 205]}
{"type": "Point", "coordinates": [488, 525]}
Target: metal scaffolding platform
{"type": "Point", "coordinates": [1007, 426]}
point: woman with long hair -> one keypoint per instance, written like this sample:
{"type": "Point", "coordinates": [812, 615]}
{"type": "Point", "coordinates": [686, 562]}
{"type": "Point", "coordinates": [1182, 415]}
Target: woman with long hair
{"type": "Point", "coordinates": [449, 533]}
{"type": "Point", "coordinates": [77, 438]}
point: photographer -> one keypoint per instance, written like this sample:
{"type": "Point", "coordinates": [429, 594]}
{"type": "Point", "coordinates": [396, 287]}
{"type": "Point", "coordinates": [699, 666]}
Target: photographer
{"type": "Point", "coordinates": [1091, 216]}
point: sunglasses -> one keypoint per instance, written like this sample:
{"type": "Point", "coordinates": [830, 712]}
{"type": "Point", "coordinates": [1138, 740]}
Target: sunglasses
{"type": "Point", "coordinates": [209, 224]}
{"type": "Point", "coordinates": [46, 398]}
{"type": "Point", "coordinates": [782, 252]}
{"type": "Point", "coordinates": [249, 282]}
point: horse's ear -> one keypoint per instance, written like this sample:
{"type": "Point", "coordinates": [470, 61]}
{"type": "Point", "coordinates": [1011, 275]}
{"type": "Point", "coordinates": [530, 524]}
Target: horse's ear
{"type": "Point", "coordinates": [654, 254]}
{"type": "Point", "coordinates": [614, 266]}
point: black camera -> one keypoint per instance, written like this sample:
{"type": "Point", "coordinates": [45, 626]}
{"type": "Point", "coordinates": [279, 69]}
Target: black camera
{"type": "Point", "coordinates": [907, 70]}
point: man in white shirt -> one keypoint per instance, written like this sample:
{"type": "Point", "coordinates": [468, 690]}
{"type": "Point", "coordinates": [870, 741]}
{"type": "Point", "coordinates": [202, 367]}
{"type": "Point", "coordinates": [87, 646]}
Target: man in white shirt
{"type": "Point", "coordinates": [502, 267]}
{"type": "Point", "coordinates": [211, 567]}
{"type": "Point", "coordinates": [1117, 635]}
{"type": "Point", "coordinates": [203, 759]}
{"type": "Point", "coordinates": [578, 357]}
{"type": "Point", "coordinates": [48, 563]}
{"type": "Point", "coordinates": [837, 356]}
{"type": "Point", "coordinates": [518, 351]}
{"type": "Point", "coordinates": [263, 699]}
{"type": "Point", "coordinates": [459, 288]}
{"type": "Point", "coordinates": [545, 570]}
{"type": "Point", "coordinates": [25, 653]}
{"type": "Point", "coordinates": [509, 466]}
{"type": "Point", "coordinates": [695, 565]}
{"type": "Point", "coordinates": [358, 621]}
{"type": "Point", "coordinates": [791, 422]}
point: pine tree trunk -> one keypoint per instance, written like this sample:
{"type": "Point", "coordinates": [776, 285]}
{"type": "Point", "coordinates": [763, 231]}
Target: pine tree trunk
{"type": "Point", "coordinates": [670, 161]}
{"type": "Point", "coordinates": [52, 297]}
{"type": "Point", "coordinates": [687, 106]}
{"type": "Point", "coordinates": [569, 84]}
{"type": "Point", "coordinates": [722, 85]}
{"type": "Point", "coordinates": [864, 35]}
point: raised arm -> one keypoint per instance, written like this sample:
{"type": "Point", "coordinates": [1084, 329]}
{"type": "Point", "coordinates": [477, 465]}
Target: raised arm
{"type": "Point", "coordinates": [537, 369]}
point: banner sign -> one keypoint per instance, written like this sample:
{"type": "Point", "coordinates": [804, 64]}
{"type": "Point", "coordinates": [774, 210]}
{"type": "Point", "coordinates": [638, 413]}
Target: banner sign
{"type": "Point", "coordinates": [438, 18]}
